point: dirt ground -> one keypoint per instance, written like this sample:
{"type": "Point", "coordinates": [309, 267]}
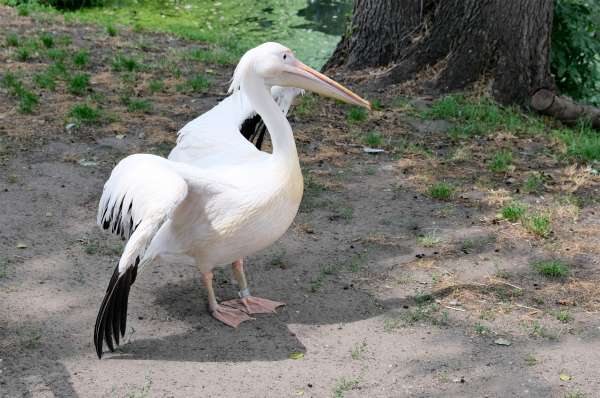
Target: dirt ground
{"type": "Point", "coordinates": [389, 292]}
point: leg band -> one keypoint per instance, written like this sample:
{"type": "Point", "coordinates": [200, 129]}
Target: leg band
{"type": "Point", "coordinates": [244, 293]}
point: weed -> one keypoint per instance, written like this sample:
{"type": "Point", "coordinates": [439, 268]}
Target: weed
{"type": "Point", "coordinates": [539, 224]}
{"type": "Point", "coordinates": [358, 350]}
{"type": "Point", "coordinates": [537, 330]}
{"type": "Point", "coordinates": [373, 139]}
{"type": "Point", "coordinates": [530, 360]}
{"type": "Point", "coordinates": [582, 143]}
{"type": "Point", "coordinates": [357, 115]}
{"type": "Point", "coordinates": [124, 63]}
{"type": "Point", "coordinates": [564, 316]}
{"type": "Point", "coordinates": [136, 104]}
{"type": "Point", "coordinates": [81, 58]}
{"type": "Point", "coordinates": [391, 324]}
{"type": "Point", "coordinates": [487, 315]}
{"type": "Point", "coordinates": [344, 385]}
{"type": "Point", "coordinates": [481, 328]}
{"type": "Point", "coordinates": [197, 84]}
{"type": "Point", "coordinates": [56, 54]}
{"type": "Point", "coordinates": [47, 40]}
{"type": "Point", "coordinates": [376, 105]}
{"type": "Point", "coordinates": [12, 40]}
{"type": "Point", "coordinates": [306, 104]}
{"type": "Point", "coordinates": [430, 239]}
{"type": "Point", "coordinates": [58, 68]}
{"type": "Point", "coordinates": [85, 113]}
{"type": "Point", "coordinates": [112, 31]}
{"type": "Point", "coordinates": [78, 84]}
{"type": "Point", "coordinates": [23, 9]}
{"type": "Point", "coordinates": [501, 161]}
{"type": "Point", "coordinates": [441, 191]}
{"type": "Point", "coordinates": [27, 99]}
{"type": "Point", "coordinates": [551, 268]}
{"type": "Point", "coordinates": [513, 211]}
{"type": "Point", "coordinates": [23, 54]}
{"type": "Point", "coordinates": [156, 85]}
{"type": "Point", "coordinates": [317, 282]}
{"type": "Point", "coordinates": [534, 183]}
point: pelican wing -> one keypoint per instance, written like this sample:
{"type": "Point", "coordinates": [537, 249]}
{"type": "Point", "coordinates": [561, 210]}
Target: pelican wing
{"type": "Point", "coordinates": [140, 195]}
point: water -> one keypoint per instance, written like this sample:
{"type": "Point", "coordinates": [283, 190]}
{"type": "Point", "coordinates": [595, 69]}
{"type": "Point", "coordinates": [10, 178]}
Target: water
{"type": "Point", "coordinates": [311, 28]}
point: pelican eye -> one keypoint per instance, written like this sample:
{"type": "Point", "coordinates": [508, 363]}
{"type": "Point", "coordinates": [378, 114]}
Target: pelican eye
{"type": "Point", "coordinates": [284, 56]}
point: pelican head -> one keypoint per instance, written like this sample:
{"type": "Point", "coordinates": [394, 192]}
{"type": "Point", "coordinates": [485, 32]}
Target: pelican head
{"type": "Point", "coordinates": [277, 65]}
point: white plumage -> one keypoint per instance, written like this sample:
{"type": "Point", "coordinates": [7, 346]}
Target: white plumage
{"type": "Point", "coordinates": [217, 198]}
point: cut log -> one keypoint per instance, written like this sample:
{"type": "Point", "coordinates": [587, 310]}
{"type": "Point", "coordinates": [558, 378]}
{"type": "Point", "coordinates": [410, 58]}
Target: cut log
{"type": "Point", "coordinates": [564, 109]}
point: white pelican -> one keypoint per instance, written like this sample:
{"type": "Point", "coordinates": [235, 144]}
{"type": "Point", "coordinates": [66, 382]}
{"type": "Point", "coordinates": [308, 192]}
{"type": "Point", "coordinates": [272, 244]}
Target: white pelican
{"type": "Point", "coordinates": [217, 198]}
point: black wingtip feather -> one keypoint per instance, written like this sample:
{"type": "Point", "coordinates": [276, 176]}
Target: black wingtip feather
{"type": "Point", "coordinates": [253, 129]}
{"type": "Point", "coordinates": [112, 316]}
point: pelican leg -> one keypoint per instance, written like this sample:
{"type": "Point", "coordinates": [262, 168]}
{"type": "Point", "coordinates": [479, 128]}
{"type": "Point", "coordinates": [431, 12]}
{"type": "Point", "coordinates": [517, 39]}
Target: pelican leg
{"type": "Point", "coordinates": [247, 302]}
{"type": "Point", "coordinates": [228, 315]}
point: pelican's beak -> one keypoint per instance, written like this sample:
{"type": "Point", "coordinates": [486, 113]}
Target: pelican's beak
{"type": "Point", "coordinates": [303, 76]}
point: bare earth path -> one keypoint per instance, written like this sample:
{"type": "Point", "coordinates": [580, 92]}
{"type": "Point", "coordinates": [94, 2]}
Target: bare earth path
{"type": "Point", "coordinates": [389, 292]}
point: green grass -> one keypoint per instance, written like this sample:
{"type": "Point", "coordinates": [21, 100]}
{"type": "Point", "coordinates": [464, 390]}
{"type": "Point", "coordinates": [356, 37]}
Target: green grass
{"type": "Point", "coordinates": [137, 104]}
{"type": "Point", "coordinates": [45, 80]}
{"type": "Point", "coordinates": [47, 40]}
{"type": "Point", "coordinates": [344, 385]}
{"type": "Point", "coordinates": [124, 63]}
{"type": "Point", "coordinates": [23, 54]}
{"type": "Point", "coordinates": [534, 183]}
{"type": "Point", "coordinates": [430, 239]}
{"type": "Point", "coordinates": [217, 56]}
{"type": "Point", "coordinates": [196, 84]}
{"type": "Point", "coordinates": [111, 30]}
{"type": "Point", "coordinates": [582, 143]}
{"type": "Point", "coordinates": [156, 86]}
{"type": "Point", "coordinates": [317, 282]}
{"type": "Point", "coordinates": [23, 10]}
{"type": "Point", "coordinates": [58, 68]}
{"type": "Point", "coordinates": [513, 211]}
{"type": "Point", "coordinates": [358, 350]}
{"type": "Point", "coordinates": [12, 40]}
{"type": "Point", "coordinates": [441, 191]}
{"type": "Point", "coordinates": [81, 58]}
{"type": "Point", "coordinates": [306, 104]}
{"type": "Point", "coordinates": [56, 54]}
{"type": "Point", "coordinates": [79, 84]}
{"type": "Point", "coordinates": [539, 224]}
{"type": "Point", "coordinates": [564, 316]}
{"type": "Point", "coordinates": [373, 139]}
{"type": "Point", "coordinates": [27, 99]}
{"type": "Point", "coordinates": [551, 268]}
{"type": "Point", "coordinates": [481, 329]}
{"type": "Point", "coordinates": [501, 161]}
{"type": "Point", "coordinates": [357, 114]}
{"type": "Point", "coordinates": [376, 105]}
{"type": "Point", "coordinates": [85, 113]}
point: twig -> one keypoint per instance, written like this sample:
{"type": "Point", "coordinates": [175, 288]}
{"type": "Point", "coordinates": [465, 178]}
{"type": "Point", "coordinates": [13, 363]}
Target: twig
{"type": "Point", "coordinates": [454, 308]}
{"type": "Point", "coordinates": [506, 283]}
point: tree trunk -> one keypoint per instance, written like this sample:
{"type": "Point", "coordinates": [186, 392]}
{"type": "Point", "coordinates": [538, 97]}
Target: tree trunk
{"type": "Point", "coordinates": [506, 42]}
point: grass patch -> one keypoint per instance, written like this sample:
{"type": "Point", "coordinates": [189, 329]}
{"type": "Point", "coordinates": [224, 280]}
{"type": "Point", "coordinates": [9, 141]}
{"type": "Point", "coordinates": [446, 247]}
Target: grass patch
{"type": "Point", "coordinates": [23, 54]}
{"type": "Point", "coordinates": [343, 386]}
{"type": "Point", "coordinates": [27, 99]}
{"type": "Point", "coordinates": [12, 40]}
{"type": "Point", "coordinates": [534, 183]}
{"type": "Point", "coordinates": [305, 105]}
{"type": "Point", "coordinates": [112, 31]}
{"type": "Point", "coordinates": [539, 224]}
{"type": "Point", "coordinates": [357, 115]}
{"type": "Point", "coordinates": [441, 191]}
{"type": "Point", "coordinates": [56, 54]}
{"type": "Point", "coordinates": [373, 139]}
{"type": "Point", "coordinates": [136, 104]}
{"type": "Point", "coordinates": [551, 268]}
{"type": "Point", "coordinates": [530, 360]}
{"type": "Point", "coordinates": [358, 350]}
{"type": "Point", "coordinates": [45, 80]}
{"type": "Point", "coordinates": [81, 58]}
{"type": "Point", "coordinates": [58, 68]}
{"type": "Point", "coordinates": [156, 86]}
{"type": "Point", "coordinates": [582, 143]}
{"type": "Point", "coordinates": [124, 63]}
{"type": "Point", "coordinates": [513, 212]}
{"type": "Point", "coordinates": [47, 40]}
{"type": "Point", "coordinates": [481, 329]}
{"type": "Point", "coordinates": [317, 282]}
{"type": "Point", "coordinates": [196, 84]}
{"type": "Point", "coordinates": [85, 113]}
{"type": "Point", "coordinates": [564, 316]}
{"type": "Point", "coordinates": [79, 84]}
{"type": "Point", "coordinates": [217, 55]}
{"type": "Point", "coordinates": [430, 239]}
{"type": "Point", "coordinates": [501, 161]}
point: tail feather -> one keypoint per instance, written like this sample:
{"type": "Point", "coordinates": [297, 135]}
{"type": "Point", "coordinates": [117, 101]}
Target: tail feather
{"type": "Point", "coordinates": [111, 322]}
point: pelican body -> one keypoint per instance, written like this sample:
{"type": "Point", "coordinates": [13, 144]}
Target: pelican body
{"type": "Point", "coordinates": [217, 198]}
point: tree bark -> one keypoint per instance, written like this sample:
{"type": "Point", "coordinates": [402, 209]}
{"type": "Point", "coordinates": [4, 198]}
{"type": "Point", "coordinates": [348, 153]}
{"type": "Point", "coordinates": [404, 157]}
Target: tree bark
{"type": "Point", "coordinates": [564, 109]}
{"type": "Point", "coordinates": [504, 41]}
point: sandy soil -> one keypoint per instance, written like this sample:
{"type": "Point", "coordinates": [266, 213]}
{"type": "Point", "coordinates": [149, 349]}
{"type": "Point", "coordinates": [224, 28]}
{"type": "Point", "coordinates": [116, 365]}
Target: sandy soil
{"type": "Point", "coordinates": [372, 309]}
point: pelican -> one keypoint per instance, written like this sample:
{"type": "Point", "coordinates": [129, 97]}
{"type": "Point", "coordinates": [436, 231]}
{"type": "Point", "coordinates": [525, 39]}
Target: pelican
{"type": "Point", "coordinates": [217, 198]}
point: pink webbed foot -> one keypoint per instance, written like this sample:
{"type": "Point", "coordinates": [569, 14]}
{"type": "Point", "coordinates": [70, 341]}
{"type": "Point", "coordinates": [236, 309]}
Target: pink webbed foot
{"type": "Point", "coordinates": [254, 305]}
{"type": "Point", "coordinates": [229, 316]}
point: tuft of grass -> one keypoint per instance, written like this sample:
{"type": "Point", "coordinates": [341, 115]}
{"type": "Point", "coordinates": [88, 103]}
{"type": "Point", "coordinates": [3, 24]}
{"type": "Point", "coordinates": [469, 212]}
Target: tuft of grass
{"type": "Point", "coordinates": [124, 63]}
{"type": "Point", "coordinates": [45, 80]}
{"type": "Point", "coordinates": [582, 143]}
{"type": "Point", "coordinates": [85, 113]}
{"type": "Point", "coordinates": [111, 30]}
{"type": "Point", "coordinates": [12, 40]}
{"type": "Point", "coordinates": [539, 224]}
{"type": "Point", "coordinates": [27, 99]}
{"type": "Point", "coordinates": [358, 350]}
{"type": "Point", "coordinates": [56, 54]}
{"type": "Point", "coordinates": [373, 139]}
{"type": "Point", "coordinates": [344, 385]}
{"type": "Point", "coordinates": [23, 9]}
{"type": "Point", "coordinates": [481, 328]}
{"type": "Point", "coordinates": [441, 191]}
{"type": "Point", "coordinates": [47, 40]}
{"type": "Point", "coordinates": [357, 114]}
{"type": "Point", "coordinates": [137, 104]}
{"type": "Point", "coordinates": [79, 83]}
{"type": "Point", "coordinates": [81, 58]}
{"type": "Point", "coordinates": [376, 104]}
{"type": "Point", "coordinates": [513, 211]}
{"type": "Point", "coordinates": [306, 104]}
{"type": "Point", "coordinates": [564, 316]}
{"type": "Point", "coordinates": [196, 84]}
{"type": "Point", "coordinates": [317, 282]}
{"type": "Point", "coordinates": [501, 161]}
{"type": "Point", "coordinates": [530, 360]}
{"type": "Point", "coordinates": [58, 68]}
{"type": "Point", "coordinates": [23, 54]}
{"type": "Point", "coordinates": [430, 239]}
{"type": "Point", "coordinates": [217, 55]}
{"type": "Point", "coordinates": [551, 268]}
{"type": "Point", "coordinates": [156, 86]}
{"type": "Point", "coordinates": [534, 183]}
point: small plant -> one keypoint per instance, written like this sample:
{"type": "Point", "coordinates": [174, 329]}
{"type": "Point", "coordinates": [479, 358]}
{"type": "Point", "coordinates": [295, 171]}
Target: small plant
{"type": "Point", "coordinates": [539, 224]}
{"type": "Point", "coordinates": [575, 394]}
{"type": "Point", "coordinates": [530, 360]}
{"type": "Point", "coordinates": [317, 283]}
{"type": "Point", "coordinates": [534, 183]}
{"type": "Point", "coordinates": [45, 80]}
{"type": "Point", "coordinates": [441, 191]}
{"type": "Point", "coordinates": [138, 105]}
{"type": "Point", "coordinates": [391, 324]}
{"type": "Point", "coordinates": [501, 161]}
{"type": "Point", "coordinates": [156, 85]}
{"type": "Point", "coordinates": [373, 139]}
{"type": "Point", "coordinates": [81, 58]}
{"type": "Point", "coordinates": [23, 9]}
{"type": "Point", "coordinates": [27, 99]}
{"type": "Point", "coordinates": [56, 54]}
{"type": "Point", "coordinates": [112, 31]}
{"type": "Point", "coordinates": [430, 239]}
{"type": "Point", "coordinates": [564, 316]}
{"type": "Point", "coordinates": [198, 84]}
{"type": "Point", "coordinates": [481, 328]}
{"type": "Point", "coordinates": [79, 84]}
{"type": "Point", "coordinates": [85, 113]}
{"type": "Point", "coordinates": [358, 350]}
{"type": "Point", "coordinates": [58, 68]}
{"type": "Point", "coordinates": [357, 115]}
{"type": "Point", "coordinates": [513, 212]}
{"type": "Point", "coordinates": [47, 40]}
{"type": "Point", "coordinates": [376, 105]}
{"type": "Point", "coordinates": [23, 54]}
{"type": "Point", "coordinates": [551, 268]}
{"type": "Point", "coordinates": [306, 104]}
{"type": "Point", "coordinates": [12, 40]}
{"type": "Point", "coordinates": [124, 63]}
{"type": "Point", "coordinates": [343, 386]}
